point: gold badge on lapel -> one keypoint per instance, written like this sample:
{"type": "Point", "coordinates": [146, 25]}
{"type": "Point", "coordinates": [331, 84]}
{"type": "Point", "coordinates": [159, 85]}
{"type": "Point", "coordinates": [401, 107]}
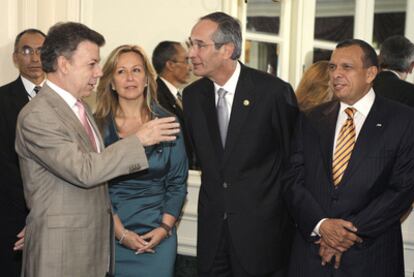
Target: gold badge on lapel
{"type": "Point", "coordinates": [246, 102]}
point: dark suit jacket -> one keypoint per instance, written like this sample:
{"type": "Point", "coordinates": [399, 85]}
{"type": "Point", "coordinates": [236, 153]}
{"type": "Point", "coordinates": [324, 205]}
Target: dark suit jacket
{"type": "Point", "coordinates": [243, 180]}
{"type": "Point", "coordinates": [376, 189]}
{"type": "Point", "coordinates": [168, 101]}
{"type": "Point", "coordinates": [390, 86]}
{"type": "Point", "coordinates": [13, 211]}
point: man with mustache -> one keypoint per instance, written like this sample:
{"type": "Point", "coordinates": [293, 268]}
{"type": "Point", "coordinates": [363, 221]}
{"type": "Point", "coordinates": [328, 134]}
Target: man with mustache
{"type": "Point", "coordinates": [351, 175]}
{"type": "Point", "coordinates": [13, 96]}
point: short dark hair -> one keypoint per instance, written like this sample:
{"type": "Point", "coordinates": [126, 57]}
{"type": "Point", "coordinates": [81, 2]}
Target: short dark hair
{"type": "Point", "coordinates": [228, 30]}
{"type": "Point", "coordinates": [163, 52]}
{"type": "Point", "coordinates": [396, 53]}
{"type": "Point", "coordinates": [370, 56]}
{"type": "Point", "coordinates": [63, 39]}
{"type": "Point", "coordinates": [27, 31]}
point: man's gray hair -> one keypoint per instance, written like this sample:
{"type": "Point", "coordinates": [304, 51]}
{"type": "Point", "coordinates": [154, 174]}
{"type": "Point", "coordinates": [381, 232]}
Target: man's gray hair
{"type": "Point", "coordinates": [396, 53]}
{"type": "Point", "coordinates": [228, 30]}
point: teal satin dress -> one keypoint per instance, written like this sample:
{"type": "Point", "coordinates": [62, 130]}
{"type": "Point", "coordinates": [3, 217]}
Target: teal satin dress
{"type": "Point", "coordinates": [142, 198]}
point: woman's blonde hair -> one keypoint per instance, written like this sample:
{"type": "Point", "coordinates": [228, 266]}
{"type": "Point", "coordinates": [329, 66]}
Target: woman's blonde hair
{"type": "Point", "coordinates": [314, 89]}
{"type": "Point", "coordinates": [107, 98]}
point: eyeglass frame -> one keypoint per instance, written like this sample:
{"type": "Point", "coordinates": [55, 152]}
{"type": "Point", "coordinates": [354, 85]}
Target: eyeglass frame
{"type": "Point", "coordinates": [202, 45]}
{"type": "Point", "coordinates": [186, 61]}
{"type": "Point", "coordinates": [27, 51]}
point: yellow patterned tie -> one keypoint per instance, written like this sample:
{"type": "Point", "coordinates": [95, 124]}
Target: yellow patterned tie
{"type": "Point", "coordinates": [344, 146]}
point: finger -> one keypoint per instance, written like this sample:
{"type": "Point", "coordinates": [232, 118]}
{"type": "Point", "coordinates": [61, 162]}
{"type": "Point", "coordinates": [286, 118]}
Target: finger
{"type": "Point", "coordinates": [164, 119]}
{"type": "Point", "coordinates": [348, 225]}
{"type": "Point", "coordinates": [167, 138]}
{"type": "Point", "coordinates": [337, 260]}
{"type": "Point", "coordinates": [170, 131]}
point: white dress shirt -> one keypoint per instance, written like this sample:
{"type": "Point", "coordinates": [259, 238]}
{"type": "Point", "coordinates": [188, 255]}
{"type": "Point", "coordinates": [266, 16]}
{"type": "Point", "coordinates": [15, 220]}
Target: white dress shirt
{"type": "Point", "coordinates": [230, 87]}
{"type": "Point", "coordinates": [71, 101]}
{"type": "Point", "coordinates": [29, 86]}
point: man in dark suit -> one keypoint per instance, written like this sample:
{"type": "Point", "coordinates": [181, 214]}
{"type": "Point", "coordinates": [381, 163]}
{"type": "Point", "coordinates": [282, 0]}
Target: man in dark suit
{"type": "Point", "coordinates": [13, 96]}
{"type": "Point", "coordinates": [170, 60]}
{"type": "Point", "coordinates": [243, 225]}
{"type": "Point", "coordinates": [396, 61]}
{"type": "Point", "coordinates": [351, 175]}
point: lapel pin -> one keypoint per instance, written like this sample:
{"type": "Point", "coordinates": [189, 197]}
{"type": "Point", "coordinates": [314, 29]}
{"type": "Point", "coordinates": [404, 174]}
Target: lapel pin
{"type": "Point", "coordinates": [246, 102]}
{"type": "Point", "coordinates": [379, 125]}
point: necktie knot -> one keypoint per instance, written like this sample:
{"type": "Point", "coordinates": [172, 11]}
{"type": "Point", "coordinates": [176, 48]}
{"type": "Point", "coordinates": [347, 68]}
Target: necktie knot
{"type": "Point", "coordinates": [221, 93]}
{"type": "Point", "coordinates": [350, 112]}
{"type": "Point", "coordinates": [36, 89]}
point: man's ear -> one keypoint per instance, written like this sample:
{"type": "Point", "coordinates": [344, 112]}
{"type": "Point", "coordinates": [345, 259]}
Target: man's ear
{"type": "Point", "coordinates": [410, 70]}
{"type": "Point", "coordinates": [62, 64]}
{"type": "Point", "coordinates": [371, 73]}
{"type": "Point", "coordinates": [228, 49]}
{"type": "Point", "coordinates": [169, 65]}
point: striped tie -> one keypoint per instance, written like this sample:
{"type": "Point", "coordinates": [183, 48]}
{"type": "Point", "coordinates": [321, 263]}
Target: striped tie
{"type": "Point", "coordinates": [344, 146]}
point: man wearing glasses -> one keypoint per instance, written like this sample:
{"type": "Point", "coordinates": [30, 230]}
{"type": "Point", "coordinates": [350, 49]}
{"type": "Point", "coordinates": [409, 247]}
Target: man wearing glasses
{"type": "Point", "coordinates": [240, 122]}
{"type": "Point", "coordinates": [170, 60]}
{"type": "Point", "coordinates": [13, 97]}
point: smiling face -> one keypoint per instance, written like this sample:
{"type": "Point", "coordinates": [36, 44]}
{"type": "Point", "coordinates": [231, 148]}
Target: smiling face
{"type": "Point", "coordinates": [82, 70]}
{"type": "Point", "coordinates": [129, 77]}
{"type": "Point", "coordinates": [350, 80]}
{"type": "Point", "coordinates": [29, 64]}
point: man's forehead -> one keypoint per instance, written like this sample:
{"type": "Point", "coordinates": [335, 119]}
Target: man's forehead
{"type": "Point", "coordinates": [31, 39]}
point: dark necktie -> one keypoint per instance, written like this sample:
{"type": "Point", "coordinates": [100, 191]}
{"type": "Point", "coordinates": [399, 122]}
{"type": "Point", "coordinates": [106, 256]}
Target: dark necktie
{"type": "Point", "coordinates": [344, 145]}
{"type": "Point", "coordinates": [179, 99]}
{"type": "Point", "coordinates": [37, 89]}
{"type": "Point", "coordinates": [222, 115]}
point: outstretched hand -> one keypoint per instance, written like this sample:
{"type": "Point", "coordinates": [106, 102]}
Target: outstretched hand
{"type": "Point", "coordinates": [158, 130]}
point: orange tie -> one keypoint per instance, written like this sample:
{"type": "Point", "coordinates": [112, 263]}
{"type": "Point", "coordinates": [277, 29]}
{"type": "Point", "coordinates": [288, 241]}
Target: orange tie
{"type": "Point", "coordinates": [344, 146]}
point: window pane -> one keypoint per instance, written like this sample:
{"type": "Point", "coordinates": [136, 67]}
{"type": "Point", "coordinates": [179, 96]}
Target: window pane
{"type": "Point", "coordinates": [321, 54]}
{"type": "Point", "coordinates": [263, 16]}
{"type": "Point", "coordinates": [334, 19]}
{"type": "Point", "coordinates": [389, 19]}
{"type": "Point", "coordinates": [262, 56]}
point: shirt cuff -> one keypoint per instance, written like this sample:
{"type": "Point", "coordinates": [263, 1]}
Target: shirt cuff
{"type": "Point", "coordinates": [316, 229]}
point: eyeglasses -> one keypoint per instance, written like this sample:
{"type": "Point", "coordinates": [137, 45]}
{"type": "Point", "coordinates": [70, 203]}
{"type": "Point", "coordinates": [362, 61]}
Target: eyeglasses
{"type": "Point", "coordinates": [198, 45]}
{"type": "Point", "coordinates": [29, 51]}
{"type": "Point", "coordinates": [186, 61]}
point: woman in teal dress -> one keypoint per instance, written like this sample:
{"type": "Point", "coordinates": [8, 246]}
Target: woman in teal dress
{"type": "Point", "coordinates": [146, 205]}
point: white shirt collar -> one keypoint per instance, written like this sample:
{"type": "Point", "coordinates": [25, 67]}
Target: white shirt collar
{"type": "Point", "coordinates": [67, 96]}
{"type": "Point", "coordinates": [363, 105]}
{"type": "Point", "coordinates": [29, 86]}
{"type": "Point", "coordinates": [231, 84]}
{"type": "Point", "coordinates": [170, 86]}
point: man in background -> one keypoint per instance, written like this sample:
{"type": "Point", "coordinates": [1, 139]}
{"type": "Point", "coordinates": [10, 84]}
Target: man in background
{"type": "Point", "coordinates": [240, 122]}
{"type": "Point", "coordinates": [13, 96]}
{"type": "Point", "coordinates": [170, 60]}
{"type": "Point", "coordinates": [69, 230]}
{"type": "Point", "coordinates": [396, 60]}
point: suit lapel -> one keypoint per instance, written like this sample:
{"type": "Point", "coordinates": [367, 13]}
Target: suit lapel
{"type": "Point", "coordinates": [242, 103]}
{"type": "Point", "coordinates": [68, 116]}
{"type": "Point", "coordinates": [209, 107]}
{"type": "Point", "coordinates": [326, 129]}
{"type": "Point", "coordinates": [169, 99]}
{"type": "Point", "coordinates": [19, 94]}
{"type": "Point", "coordinates": [372, 128]}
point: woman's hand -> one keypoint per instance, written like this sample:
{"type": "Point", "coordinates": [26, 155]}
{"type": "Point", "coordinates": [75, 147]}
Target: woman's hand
{"type": "Point", "coordinates": [134, 242]}
{"type": "Point", "coordinates": [153, 238]}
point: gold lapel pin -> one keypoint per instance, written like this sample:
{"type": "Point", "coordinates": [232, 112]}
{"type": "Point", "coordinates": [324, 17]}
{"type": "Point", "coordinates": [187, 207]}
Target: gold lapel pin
{"type": "Point", "coordinates": [246, 102]}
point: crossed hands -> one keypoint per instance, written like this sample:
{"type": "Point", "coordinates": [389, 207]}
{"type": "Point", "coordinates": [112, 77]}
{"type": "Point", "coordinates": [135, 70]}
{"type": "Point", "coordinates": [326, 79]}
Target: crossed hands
{"type": "Point", "coordinates": [337, 236]}
{"type": "Point", "coordinates": [146, 242]}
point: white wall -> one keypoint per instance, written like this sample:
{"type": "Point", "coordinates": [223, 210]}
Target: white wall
{"type": "Point", "coordinates": [139, 22]}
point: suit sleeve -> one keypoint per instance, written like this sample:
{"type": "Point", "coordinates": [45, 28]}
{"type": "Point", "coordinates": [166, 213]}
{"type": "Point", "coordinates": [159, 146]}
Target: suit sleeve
{"type": "Point", "coordinates": [305, 210]}
{"type": "Point", "coordinates": [41, 138]}
{"type": "Point", "coordinates": [387, 208]}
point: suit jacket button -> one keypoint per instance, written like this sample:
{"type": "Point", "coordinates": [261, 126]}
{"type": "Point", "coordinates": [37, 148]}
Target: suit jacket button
{"type": "Point", "coordinates": [225, 185]}
{"type": "Point", "coordinates": [225, 216]}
